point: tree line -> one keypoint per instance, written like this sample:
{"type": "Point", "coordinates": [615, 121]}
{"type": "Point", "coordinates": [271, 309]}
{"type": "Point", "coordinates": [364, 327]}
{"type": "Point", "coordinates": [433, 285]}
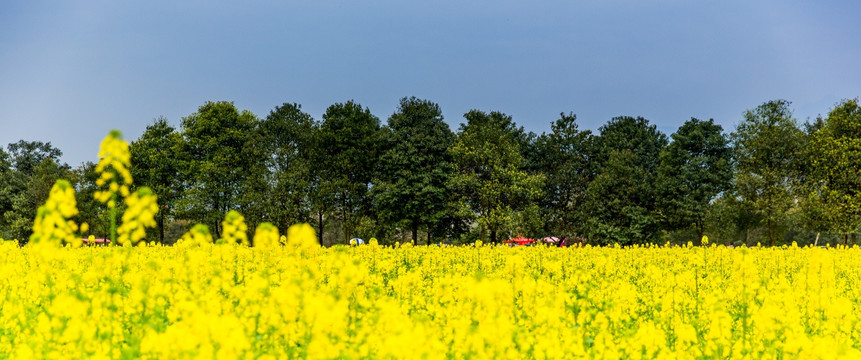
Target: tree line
{"type": "Point", "coordinates": [771, 179]}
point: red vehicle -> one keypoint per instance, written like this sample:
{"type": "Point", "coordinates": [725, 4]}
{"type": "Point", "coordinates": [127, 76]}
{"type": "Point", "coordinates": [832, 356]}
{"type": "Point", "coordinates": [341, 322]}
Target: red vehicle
{"type": "Point", "coordinates": [97, 242]}
{"type": "Point", "coordinates": [520, 241]}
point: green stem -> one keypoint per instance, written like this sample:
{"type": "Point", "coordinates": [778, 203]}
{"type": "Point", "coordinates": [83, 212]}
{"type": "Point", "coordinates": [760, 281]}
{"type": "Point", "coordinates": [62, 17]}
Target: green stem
{"type": "Point", "coordinates": [114, 219]}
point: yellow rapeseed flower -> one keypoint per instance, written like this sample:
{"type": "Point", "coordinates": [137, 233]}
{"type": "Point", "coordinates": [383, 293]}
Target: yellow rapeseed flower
{"type": "Point", "coordinates": [266, 236]}
{"type": "Point", "coordinates": [142, 206]}
{"type": "Point", "coordinates": [302, 236]}
{"type": "Point", "coordinates": [428, 302]}
{"type": "Point", "coordinates": [198, 235]}
{"type": "Point", "coordinates": [113, 167]}
{"type": "Point", "coordinates": [234, 230]}
{"type": "Point", "coordinates": [53, 224]}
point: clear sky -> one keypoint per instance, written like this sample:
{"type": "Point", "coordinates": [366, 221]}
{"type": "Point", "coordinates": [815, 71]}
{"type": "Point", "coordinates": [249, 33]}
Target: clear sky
{"type": "Point", "coordinates": [71, 70]}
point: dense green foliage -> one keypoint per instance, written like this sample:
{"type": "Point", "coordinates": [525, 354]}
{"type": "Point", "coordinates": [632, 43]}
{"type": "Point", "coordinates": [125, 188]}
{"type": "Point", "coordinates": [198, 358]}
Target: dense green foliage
{"type": "Point", "coordinates": [285, 139]}
{"type": "Point", "coordinates": [768, 144]}
{"type": "Point", "coordinates": [695, 167]}
{"type": "Point", "coordinates": [490, 175]}
{"type": "Point", "coordinates": [412, 183]}
{"type": "Point", "coordinates": [220, 162]}
{"type": "Point", "coordinates": [412, 179]}
{"type": "Point", "coordinates": [155, 162]}
{"type": "Point", "coordinates": [835, 171]}
{"type": "Point", "coordinates": [565, 157]}
{"type": "Point", "coordinates": [347, 147]}
{"type": "Point", "coordinates": [621, 202]}
{"type": "Point", "coordinates": [30, 169]}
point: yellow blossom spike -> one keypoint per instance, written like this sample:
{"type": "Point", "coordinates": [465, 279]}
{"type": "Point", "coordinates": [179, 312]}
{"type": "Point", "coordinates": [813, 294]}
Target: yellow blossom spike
{"type": "Point", "coordinates": [198, 235]}
{"type": "Point", "coordinates": [266, 236]}
{"type": "Point", "coordinates": [141, 208]}
{"type": "Point", "coordinates": [113, 166]}
{"type": "Point", "coordinates": [53, 224]}
{"type": "Point", "coordinates": [234, 230]}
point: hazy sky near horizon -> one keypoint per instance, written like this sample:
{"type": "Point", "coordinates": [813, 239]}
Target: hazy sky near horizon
{"type": "Point", "coordinates": [72, 70]}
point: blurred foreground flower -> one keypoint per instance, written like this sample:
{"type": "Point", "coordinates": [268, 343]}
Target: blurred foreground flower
{"type": "Point", "coordinates": [266, 236]}
{"type": "Point", "coordinates": [53, 224]}
{"type": "Point", "coordinates": [234, 229]}
{"type": "Point", "coordinates": [139, 215]}
{"type": "Point", "coordinates": [198, 235]}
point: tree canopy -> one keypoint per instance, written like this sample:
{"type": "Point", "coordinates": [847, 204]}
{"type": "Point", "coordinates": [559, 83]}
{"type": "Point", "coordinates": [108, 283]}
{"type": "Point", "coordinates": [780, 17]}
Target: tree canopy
{"type": "Point", "coordinates": [694, 168]}
{"type": "Point", "coordinates": [415, 166]}
{"type": "Point", "coordinates": [219, 160]}
{"type": "Point", "coordinates": [835, 151]}
{"type": "Point", "coordinates": [286, 136]}
{"type": "Point", "coordinates": [348, 144]}
{"type": "Point", "coordinates": [154, 162]}
{"type": "Point", "coordinates": [488, 170]}
{"type": "Point", "coordinates": [565, 156]}
{"type": "Point", "coordinates": [768, 144]}
{"type": "Point", "coordinates": [621, 202]}
{"type": "Point", "coordinates": [412, 178]}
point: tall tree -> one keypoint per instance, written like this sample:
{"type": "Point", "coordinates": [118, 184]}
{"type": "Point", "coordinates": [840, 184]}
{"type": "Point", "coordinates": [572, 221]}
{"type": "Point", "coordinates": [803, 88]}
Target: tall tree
{"type": "Point", "coordinates": [154, 164]}
{"type": "Point", "coordinates": [621, 202]}
{"type": "Point", "coordinates": [412, 182]}
{"type": "Point", "coordinates": [695, 167]}
{"type": "Point", "coordinates": [489, 172]}
{"type": "Point", "coordinates": [767, 145]}
{"type": "Point", "coordinates": [345, 157]}
{"type": "Point", "coordinates": [37, 187]}
{"type": "Point", "coordinates": [286, 135]}
{"type": "Point", "coordinates": [27, 155]}
{"type": "Point", "coordinates": [220, 161]}
{"type": "Point", "coordinates": [565, 158]}
{"type": "Point", "coordinates": [835, 154]}
{"type": "Point", "coordinates": [812, 212]}
{"type": "Point", "coordinates": [31, 169]}
{"type": "Point", "coordinates": [320, 189]}
{"type": "Point", "coordinates": [7, 189]}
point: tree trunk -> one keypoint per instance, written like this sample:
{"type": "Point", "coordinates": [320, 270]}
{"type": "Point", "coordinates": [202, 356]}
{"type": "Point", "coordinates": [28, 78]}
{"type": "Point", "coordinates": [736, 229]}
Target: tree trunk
{"type": "Point", "coordinates": [320, 225]}
{"type": "Point", "coordinates": [700, 232]}
{"type": "Point", "coordinates": [700, 224]}
{"type": "Point", "coordinates": [415, 225]}
{"type": "Point", "coordinates": [853, 239]}
{"type": "Point", "coordinates": [816, 242]}
{"type": "Point", "coordinates": [770, 234]}
{"type": "Point", "coordinates": [493, 236]}
{"type": "Point", "coordinates": [161, 226]}
{"type": "Point", "coordinates": [344, 223]}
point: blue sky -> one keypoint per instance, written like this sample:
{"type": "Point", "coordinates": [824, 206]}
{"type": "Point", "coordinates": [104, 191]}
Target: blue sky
{"type": "Point", "coordinates": [72, 70]}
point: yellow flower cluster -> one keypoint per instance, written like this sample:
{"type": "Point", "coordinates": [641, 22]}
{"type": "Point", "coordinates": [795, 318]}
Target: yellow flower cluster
{"type": "Point", "coordinates": [430, 302]}
{"type": "Point", "coordinates": [139, 215]}
{"type": "Point", "coordinates": [53, 224]}
{"type": "Point", "coordinates": [303, 238]}
{"type": "Point", "coordinates": [198, 235]}
{"type": "Point", "coordinates": [234, 229]}
{"type": "Point", "coordinates": [113, 166]}
{"type": "Point", "coordinates": [266, 236]}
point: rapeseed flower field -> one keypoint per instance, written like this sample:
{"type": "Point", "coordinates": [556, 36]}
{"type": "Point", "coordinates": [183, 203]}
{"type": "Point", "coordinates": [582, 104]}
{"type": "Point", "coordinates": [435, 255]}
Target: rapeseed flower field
{"type": "Point", "coordinates": [200, 299]}
{"type": "Point", "coordinates": [288, 297]}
